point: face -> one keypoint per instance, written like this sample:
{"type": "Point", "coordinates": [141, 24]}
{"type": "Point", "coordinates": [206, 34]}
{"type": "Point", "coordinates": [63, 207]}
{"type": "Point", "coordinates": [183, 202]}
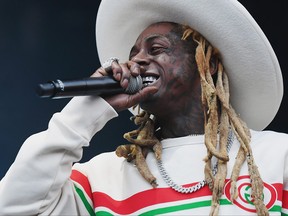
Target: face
{"type": "Point", "coordinates": [168, 64]}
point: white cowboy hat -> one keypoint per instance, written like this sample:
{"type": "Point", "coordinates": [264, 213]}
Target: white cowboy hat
{"type": "Point", "coordinates": [256, 83]}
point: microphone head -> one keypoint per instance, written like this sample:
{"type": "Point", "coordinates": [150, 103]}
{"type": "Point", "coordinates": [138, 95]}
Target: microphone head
{"type": "Point", "coordinates": [135, 85]}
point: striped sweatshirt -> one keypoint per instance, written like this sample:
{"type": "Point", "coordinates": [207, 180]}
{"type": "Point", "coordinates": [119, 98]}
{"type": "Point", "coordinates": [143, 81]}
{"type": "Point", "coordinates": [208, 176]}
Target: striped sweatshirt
{"type": "Point", "coordinates": [45, 178]}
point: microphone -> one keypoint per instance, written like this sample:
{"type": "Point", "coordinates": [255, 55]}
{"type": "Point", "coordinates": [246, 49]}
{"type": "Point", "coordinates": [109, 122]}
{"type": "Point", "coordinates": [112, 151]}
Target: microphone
{"type": "Point", "coordinates": [103, 86]}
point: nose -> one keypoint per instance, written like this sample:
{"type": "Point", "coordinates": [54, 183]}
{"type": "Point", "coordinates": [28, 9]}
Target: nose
{"type": "Point", "coordinates": [141, 58]}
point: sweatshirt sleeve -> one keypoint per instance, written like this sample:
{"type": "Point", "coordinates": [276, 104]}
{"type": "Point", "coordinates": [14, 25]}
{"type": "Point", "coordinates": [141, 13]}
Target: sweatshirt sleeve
{"type": "Point", "coordinates": [38, 180]}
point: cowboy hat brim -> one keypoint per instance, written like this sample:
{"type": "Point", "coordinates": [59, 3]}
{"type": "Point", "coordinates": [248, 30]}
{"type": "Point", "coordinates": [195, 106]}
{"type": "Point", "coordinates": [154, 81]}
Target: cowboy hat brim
{"type": "Point", "coordinates": [256, 85]}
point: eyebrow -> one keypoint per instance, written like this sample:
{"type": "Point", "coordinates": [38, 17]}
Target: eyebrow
{"type": "Point", "coordinates": [153, 36]}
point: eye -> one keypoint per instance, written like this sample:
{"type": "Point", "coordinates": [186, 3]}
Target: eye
{"type": "Point", "coordinates": [157, 49]}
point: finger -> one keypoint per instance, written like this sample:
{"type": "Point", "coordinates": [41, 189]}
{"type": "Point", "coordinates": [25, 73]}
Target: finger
{"type": "Point", "coordinates": [123, 101]}
{"type": "Point", "coordinates": [107, 65]}
{"type": "Point", "coordinates": [116, 70]}
{"type": "Point", "coordinates": [134, 68]}
{"type": "Point", "coordinates": [141, 95]}
{"type": "Point", "coordinates": [125, 76]}
{"type": "Point", "coordinates": [99, 72]}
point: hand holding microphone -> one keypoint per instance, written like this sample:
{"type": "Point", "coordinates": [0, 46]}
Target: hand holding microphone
{"type": "Point", "coordinates": [109, 82]}
{"type": "Point", "coordinates": [95, 85]}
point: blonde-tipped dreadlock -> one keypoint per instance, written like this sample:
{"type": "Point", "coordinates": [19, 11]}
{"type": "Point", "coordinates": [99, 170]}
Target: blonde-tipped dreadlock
{"type": "Point", "coordinates": [215, 97]}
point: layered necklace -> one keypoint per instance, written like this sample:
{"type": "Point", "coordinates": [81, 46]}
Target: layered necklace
{"type": "Point", "coordinates": [171, 183]}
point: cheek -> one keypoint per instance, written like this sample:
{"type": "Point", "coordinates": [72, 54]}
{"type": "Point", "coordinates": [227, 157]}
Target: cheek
{"type": "Point", "coordinates": [176, 84]}
{"type": "Point", "coordinates": [178, 70]}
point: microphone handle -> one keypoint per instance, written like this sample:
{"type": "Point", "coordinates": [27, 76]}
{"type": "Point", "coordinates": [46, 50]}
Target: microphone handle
{"type": "Point", "coordinates": [103, 86]}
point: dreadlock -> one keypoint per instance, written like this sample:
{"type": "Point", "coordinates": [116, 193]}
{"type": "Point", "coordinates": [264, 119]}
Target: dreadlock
{"type": "Point", "coordinates": [211, 94]}
{"type": "Point", "coordinates": [219, 119]}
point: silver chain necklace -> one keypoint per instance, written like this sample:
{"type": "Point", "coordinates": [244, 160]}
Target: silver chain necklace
{"type": "Point", "coordinates": [200, 184]}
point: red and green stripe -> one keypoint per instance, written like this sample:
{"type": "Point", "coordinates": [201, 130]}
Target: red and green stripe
{"type": "Point", "coordinates": [106, 204]}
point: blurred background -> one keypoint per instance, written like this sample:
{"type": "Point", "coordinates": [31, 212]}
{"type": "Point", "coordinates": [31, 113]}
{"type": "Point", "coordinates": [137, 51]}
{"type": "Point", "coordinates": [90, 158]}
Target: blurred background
{"type": "Point", "coordinates": [43, 40]}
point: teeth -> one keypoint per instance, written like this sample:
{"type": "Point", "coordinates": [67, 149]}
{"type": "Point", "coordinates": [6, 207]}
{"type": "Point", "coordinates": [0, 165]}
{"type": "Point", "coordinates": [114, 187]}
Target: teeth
{"type": "Point", "coordinates": [148, 80]}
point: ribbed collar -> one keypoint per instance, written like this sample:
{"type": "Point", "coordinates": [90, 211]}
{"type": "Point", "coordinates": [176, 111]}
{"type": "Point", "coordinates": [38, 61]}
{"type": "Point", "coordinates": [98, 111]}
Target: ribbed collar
{"type": "Point", "coordinates": [180, 141]}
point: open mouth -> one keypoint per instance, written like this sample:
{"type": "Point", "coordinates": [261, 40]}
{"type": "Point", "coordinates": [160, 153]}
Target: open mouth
{"type": "Point", "coordinates": [149, 80]}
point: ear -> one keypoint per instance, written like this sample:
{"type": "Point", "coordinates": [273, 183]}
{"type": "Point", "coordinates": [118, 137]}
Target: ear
{"type": "Point", "coordinates": [213, 65]}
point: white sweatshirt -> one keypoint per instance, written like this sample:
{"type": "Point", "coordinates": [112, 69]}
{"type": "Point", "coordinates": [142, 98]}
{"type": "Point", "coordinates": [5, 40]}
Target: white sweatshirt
{"type": "Point", "coordinates": [44, 181]}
